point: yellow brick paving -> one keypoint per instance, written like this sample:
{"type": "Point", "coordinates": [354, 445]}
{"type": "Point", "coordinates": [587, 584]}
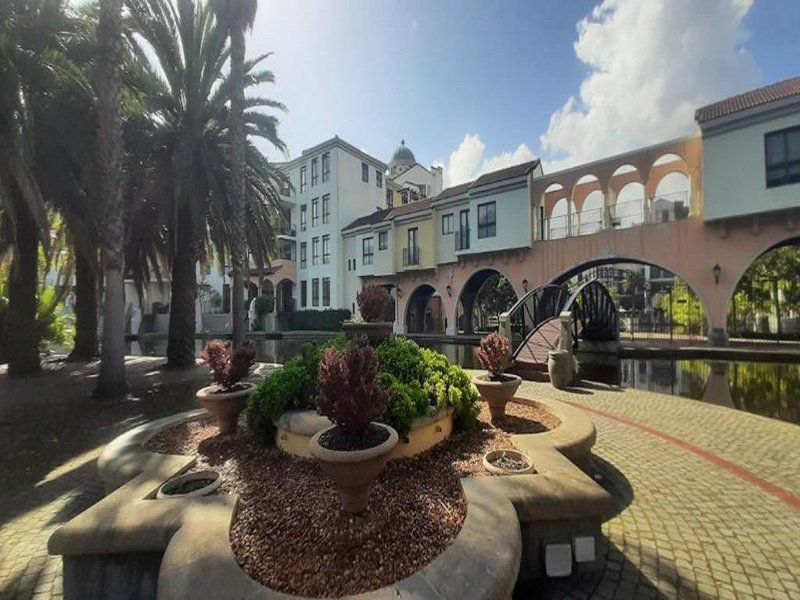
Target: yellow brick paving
{"type": "Point", "coordinates": [686, 528]}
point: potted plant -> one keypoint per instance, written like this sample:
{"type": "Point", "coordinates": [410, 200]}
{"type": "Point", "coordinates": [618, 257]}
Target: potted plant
{"type": "Point", "coordinates": [496, 387]}
{"type": "Point", "coordinates": [227, 397]}
{"type": "Point", "coordinates": [355, 449]}
{"type": "Point", "coordinates": [372, 302]}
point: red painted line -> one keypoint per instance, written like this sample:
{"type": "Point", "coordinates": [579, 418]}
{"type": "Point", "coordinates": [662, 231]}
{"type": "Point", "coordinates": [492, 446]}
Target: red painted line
{"type": "Point", "coordinates": [786, 496]}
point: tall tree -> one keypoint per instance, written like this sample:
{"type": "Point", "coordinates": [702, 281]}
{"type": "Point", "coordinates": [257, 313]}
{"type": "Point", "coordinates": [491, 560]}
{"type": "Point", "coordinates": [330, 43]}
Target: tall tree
{"type": "Point", "coordinates": [237, 16]}
{"type": "Point", "coordinates": [184, 199]}
{"type": "Point", "coordinates": [108, 163]}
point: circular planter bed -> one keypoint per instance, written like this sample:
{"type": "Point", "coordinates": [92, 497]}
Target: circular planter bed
{"type": "Point", "coordinates": [507, 462]}
{"type": "Point", "coordinates": [190, 485]}
{"type": "Point", "coordinates": [289, 533]}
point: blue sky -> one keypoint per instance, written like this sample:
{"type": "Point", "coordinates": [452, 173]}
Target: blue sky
{"type": "Point", "coordinates": [475, 85]}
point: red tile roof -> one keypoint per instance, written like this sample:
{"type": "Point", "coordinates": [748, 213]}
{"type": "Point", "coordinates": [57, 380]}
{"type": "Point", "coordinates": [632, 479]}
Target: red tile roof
{"type": "Point", "coordinates": [752, 99]}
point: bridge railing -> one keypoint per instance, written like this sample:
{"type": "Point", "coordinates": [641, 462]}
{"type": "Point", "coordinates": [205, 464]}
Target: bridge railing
{"type": "Point", "coordinates": [534, 308]}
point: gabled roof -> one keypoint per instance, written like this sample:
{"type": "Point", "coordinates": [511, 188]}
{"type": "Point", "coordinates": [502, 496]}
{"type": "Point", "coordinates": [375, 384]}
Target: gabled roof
{"type": "Point", "coordinates": [455, 190]}
{"type": "Point", "coordinates": [411, 207]}
{"type": "Point", "coordinates": [370, 219]}
{"type": "Point", "coordinates": [507, 173]}
{"type": "Point", "coordinates": [752, 99]}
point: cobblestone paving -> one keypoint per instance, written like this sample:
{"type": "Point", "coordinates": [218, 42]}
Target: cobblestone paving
{"type": "Point", "coordinates": [686, 528]}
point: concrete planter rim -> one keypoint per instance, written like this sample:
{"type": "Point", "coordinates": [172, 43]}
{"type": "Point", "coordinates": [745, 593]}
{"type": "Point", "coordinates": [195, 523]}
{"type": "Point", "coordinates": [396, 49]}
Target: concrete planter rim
{"type": "Point", "coordinates": [186, 477]}
{"type": "Point", "coordinates": [500, 471]}
{"type": "Point", "coordinates": [483, 380]}
{"type": "Point", "coordinates": [320, 452]}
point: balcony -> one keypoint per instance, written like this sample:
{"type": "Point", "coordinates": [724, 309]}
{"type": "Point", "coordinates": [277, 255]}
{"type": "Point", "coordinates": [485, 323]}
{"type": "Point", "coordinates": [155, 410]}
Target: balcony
{"type": "Point", "coordinates": [462, 239]}
{"type": "Point", "coordinates": [410, 257]}
{"type": "Point", "coordinates": [287, 232]}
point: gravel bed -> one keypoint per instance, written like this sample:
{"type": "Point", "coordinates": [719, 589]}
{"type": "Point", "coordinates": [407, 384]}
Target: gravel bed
{"type": "Point", "coordinates": [288, 532]}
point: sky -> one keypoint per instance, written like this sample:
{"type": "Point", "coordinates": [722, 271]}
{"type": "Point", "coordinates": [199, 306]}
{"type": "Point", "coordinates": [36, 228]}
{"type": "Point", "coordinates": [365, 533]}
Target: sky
{"type": "Point", "coordinates": [476, 86]}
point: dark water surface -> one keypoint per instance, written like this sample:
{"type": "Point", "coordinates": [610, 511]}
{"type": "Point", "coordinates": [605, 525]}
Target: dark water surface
{"type": "Point", "coordinates": [766, 389]}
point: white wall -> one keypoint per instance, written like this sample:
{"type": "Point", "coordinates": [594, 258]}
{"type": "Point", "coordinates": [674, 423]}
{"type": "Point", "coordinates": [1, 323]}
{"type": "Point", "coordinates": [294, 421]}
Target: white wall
{"type": "Point", "coordinates": [446, 244]}
{"type": "Point", "coordinates": [734, 172]}
{"type": "Point", "coordinates": [384, 259]}
{"type": "Point", "coordinates": [351, 281]}
{"type": "Point", "coordinates": [513, 215]}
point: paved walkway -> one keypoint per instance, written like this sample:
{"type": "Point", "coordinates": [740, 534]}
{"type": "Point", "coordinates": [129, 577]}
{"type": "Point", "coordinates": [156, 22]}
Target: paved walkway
{"type": "Point", "coordinates": [705, 493]}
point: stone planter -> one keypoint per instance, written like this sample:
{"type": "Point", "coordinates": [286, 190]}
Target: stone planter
{"type": "Point", "coordinates": [514, 456]}
{"type": "Point", "coordinates": [561, 368]}
{"type": "Point", "coordinates": [353, 471]}
{"type": "Point", "coordinates": [225, 406]}
{"type": "Point", "coordinates": [171, 487]}
{"type": "Point", "coordinates": [375, 332]}
{"type": "Point", "coordinates": [497, 393]}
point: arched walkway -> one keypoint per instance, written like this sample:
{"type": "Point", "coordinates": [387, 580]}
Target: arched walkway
{"type": "Point", "coordinates": [424, 313]}
{"type": "Point", "coordinates": [485, 295]}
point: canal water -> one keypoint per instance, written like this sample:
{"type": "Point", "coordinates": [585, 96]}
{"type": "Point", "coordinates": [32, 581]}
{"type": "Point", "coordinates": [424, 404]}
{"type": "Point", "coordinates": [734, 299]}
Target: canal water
{"type": "Point", "coordinates": [766, 389]}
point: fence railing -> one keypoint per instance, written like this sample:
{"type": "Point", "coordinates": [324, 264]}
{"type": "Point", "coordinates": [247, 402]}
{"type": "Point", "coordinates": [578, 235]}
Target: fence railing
{"type": "Point", "coordinates": [410, 256]}
{"type": "Point", "coordinates": [462, 239]}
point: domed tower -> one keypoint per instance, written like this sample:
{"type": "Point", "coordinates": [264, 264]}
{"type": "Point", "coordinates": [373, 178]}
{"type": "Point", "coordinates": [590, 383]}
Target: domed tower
{"type": "Point", "coordinates": [402, 160]}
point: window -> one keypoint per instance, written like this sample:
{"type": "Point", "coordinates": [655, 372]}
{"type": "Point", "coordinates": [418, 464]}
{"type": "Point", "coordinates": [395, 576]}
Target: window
{"type": "Point", "coordinates": [315, 212]}
{"type": "Point", "coordinates": [314, 172]}
{"type": "Point", "coordinates": [326, 250]}
{"type": "Point", "coordinates": [303, 217]}
{"type": "Point", "coordinates": [404, 197]}
{"type": "Point", "coordinates": [462, 239]}
{"type": "Point", "coordinates": [326, 291]}
{"type": "Point", "coordinates": [487, 220]}
{"type": "Point", "coordinates": [364, 172]}
{"type": "Point", "coordinates": [378, 178]}
{"type": "Point", "coordinates": [389, 202]}
{"type": "Point", "coordinates": [315, 251]}
{"type": "Point", "coordinates": [411, 252]}
{"type": "Point", "coordinates": [447, 224]}
{"type": "Point", "coordinates": [303, 255]}
{"type": "Point", "coordinates": [326, 167]}
{"type": "Point", "coordinates": [782, 153]}
{"type": "Point", "coordinates": [315, 292]}
{"type": "Point", "coordinates": [326, 208]}
{"type": "Point", "coordinates": [303, 181]}
{"type": "Point", "coordinates": [383, 240]}
{"type": "Point", "coordinates": [304, 293]}
{"type": "Point", "coordinates": [366, 251]}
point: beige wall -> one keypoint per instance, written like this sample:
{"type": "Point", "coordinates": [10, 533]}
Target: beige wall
{"type": "Point", "coordinates": [425, 241]}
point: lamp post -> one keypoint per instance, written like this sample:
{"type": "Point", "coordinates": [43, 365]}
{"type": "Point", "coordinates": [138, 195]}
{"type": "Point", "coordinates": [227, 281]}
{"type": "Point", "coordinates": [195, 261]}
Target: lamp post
{"type": "Point", "coordinates": [716, 270]}
{"type": "Point", "coordinates": [525, 285]}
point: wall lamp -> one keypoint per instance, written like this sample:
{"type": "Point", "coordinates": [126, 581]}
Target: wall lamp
{"type": "Point", "coordinates": [525, 285]}
{"type": "Point", "coordinates": [717, 271]}
{"type": "Point", "coordinates": [449, 290]}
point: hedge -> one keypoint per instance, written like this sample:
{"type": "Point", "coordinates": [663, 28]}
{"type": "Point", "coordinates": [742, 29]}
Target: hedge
{"type": "Point", "coordinates": [316, 320]}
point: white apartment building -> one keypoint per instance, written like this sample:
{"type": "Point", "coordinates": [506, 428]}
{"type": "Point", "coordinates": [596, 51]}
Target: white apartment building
{"type": "Point", "coordinates": [332, 184]}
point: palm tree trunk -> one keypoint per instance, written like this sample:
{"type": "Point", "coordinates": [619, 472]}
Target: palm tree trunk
{"type": "Point", "coordinates": [21, 341]}
{"type": "Point", "coordinates": [239, 258]}
{"type": "Point", "coordinates": [111, 383]}
{"type": "Point", "coordinates": [86, 302]}
{"type": "Point", "coordinates": [180, 345]}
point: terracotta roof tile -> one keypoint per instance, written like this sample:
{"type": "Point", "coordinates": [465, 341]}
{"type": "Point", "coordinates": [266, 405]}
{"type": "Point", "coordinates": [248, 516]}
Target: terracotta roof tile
{"type": "Point", "coordinates": [765, 95]}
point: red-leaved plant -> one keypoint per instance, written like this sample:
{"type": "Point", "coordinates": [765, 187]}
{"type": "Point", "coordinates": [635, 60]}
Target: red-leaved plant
{"type": "Point", "coordinates": [349, 394]}
{"type": "Point", "coordinates": [495, 355]}
{"type": "Point", "coordinates": [228, 369]}
{"type": "Point", "coordinates": [372, 302]}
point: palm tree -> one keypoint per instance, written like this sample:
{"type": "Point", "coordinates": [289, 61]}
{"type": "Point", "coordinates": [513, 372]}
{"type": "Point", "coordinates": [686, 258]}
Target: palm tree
{"type": "Point", "coordinates": [182, 203]}
{"type": "Point", "coordinates": [237, 16]}
{"type": "Point", "coordinates": [108, 160]}
{"type": "Point", "coordinates": [32, 64]}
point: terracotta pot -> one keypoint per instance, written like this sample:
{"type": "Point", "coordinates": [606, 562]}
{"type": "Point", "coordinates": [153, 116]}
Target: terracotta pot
{"type": "Point", "coordinates": [497, 393]}
{"type": "Point", "coordinates": [353, 471]}
{"type": "Point", "coordinates": [561, 368]}
{"type": "Point", "coordinates": [375, 332]}
{"type": "Point", "coordinates": [225, 406]}
{"type": "Point", "coordinates": [168, 489]}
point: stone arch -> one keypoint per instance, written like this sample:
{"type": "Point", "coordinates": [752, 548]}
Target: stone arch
{"type": "Point", "coordinates": [464, 310]}
{"type": "Point", "coordinates": [558, 222]}
{"type": "Point", "coordinates": [421, 314]}
{"type": "Point", "coordinates": [284, 295]}
{"type": "Point", "coordinates": [663, 165]}
{"type": "Point", "coordinates": [584, 186]}
{"type": "Point", "coordinates": [626, 197]}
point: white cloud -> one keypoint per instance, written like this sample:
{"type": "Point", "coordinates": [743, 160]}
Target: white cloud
{"type": "Point", "coordinates": [652, 63]}
{"type": "Point", "coordinates": [469, 160]}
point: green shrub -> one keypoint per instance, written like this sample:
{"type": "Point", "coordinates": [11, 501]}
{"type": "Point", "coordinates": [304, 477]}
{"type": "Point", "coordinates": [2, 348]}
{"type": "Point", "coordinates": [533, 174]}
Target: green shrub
{"type": "Point", "coordinates": [263, 304]}
{"type": "Point", "coordinates": [402, 358]}
{"type": "Point", "coordinates": [449, 385]}
{"type": "Point", "coordinates": [407, 401]}
{"type": "Point", "coordinates": [291, 386]}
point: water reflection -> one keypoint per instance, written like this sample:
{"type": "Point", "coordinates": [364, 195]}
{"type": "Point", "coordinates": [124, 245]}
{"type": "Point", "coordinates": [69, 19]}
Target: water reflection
{"type": "Point", "coordinates": [767, 389]}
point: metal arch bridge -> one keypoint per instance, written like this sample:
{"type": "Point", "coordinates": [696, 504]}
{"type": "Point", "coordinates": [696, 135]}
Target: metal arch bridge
{"type": "Point", "coordinates": [536, 326]}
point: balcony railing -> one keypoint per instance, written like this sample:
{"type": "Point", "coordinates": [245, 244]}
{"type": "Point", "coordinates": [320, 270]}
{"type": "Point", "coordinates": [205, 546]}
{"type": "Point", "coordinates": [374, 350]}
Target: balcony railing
{"type": "Point", "coordinates": [462, 239]}
{"type": "Point", "coordinates": [410, 256]}
{"type": "Point", "coordinates": [288, 231]}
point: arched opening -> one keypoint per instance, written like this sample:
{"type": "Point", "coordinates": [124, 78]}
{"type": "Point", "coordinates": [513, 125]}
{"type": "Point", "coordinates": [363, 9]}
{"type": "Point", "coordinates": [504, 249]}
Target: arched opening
{"type": "Point", "coordinates": [558, 223]}
{"type": "Point", "coordinates": [766, 301]}
{"type": "Point", "coordinates": [591, 215]}
{"type": "Point", "coordinates": [549, 227]}
{"type": "Point", "coordinates": [485, 295]}
{"type": "Point", "coordinates": [653, 302]}
{"type": "Point", "coordinates": [390, 310]}
{"type": "Point", "coordinates": [284, 296]}
{"type": "Point", "coordinates": [669, 187]}
{"type": "Point", "coordinates": [630, 198]}
{"type": "Point", "coordinates": [424, 312]}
